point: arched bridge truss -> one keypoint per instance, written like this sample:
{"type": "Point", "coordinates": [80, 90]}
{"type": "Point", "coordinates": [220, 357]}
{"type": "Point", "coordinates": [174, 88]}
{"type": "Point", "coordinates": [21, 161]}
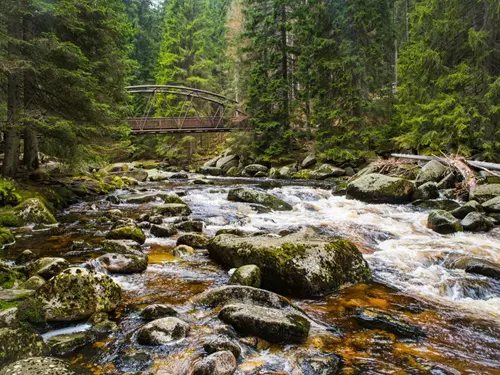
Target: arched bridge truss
{"type": "Point", "coordinates": [165, 109]}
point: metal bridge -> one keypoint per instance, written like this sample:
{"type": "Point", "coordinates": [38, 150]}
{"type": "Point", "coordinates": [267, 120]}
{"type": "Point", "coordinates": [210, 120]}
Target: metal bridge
{"type": "Point", "coordinates": [165, 109]}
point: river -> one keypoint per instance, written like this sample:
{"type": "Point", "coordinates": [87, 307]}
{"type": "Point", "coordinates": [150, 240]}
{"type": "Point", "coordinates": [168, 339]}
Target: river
{"type": "Point", "coordinates": [459, 312]}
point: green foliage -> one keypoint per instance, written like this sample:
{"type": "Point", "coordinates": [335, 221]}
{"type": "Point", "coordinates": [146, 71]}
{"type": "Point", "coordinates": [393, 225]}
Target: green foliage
{"type": "Point", "coordinates": [9, 195]}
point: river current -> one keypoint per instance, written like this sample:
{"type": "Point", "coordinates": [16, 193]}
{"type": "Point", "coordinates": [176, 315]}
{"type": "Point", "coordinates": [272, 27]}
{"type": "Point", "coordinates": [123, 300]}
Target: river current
{"type": "Point", "coordinates": [460, 312]}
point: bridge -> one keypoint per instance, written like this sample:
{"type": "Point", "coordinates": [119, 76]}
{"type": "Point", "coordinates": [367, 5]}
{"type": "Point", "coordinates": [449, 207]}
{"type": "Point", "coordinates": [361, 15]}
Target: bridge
{"type": "Point", "coordinates": [166, 109]}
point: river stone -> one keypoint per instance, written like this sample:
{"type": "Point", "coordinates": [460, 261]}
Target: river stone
{"type": "Point", "coordinates": [121, 247]}
{"type": "Point", "coordinates": [162, 331]}
{"type": "Point", "coordinates": [474, 265]}
{"type": "Point", "coordinates": [212, 162]}
{"type": "Point", "coordinates": [285, 173]}
{"type": "Point", "coordinates": [330, 364]}
{"type": "Point", "coordinates": [172, 209]}
{"type": "Point", "coordinates": [48, 267]}
{"type": "Point", "coordinates": [273, 325]}
{"type": "Point", "coordinates": [34, 211]}
{"type": "Point", "coordinates": [467, 208]}
{"type": "Point", "coordinates": [183, 250]}
{"type": "Point", "coordinates": [19, 343]}
{"type": "Point", "coordinates": [8, 318]}
{"type": "Point", "coordinates": [26, 256]}
{"type": "Point", "coordinates": [443, 222]}
{"type": "Point", "coordinates": [378, 188]}
{"type": "Point", "coordinates": [298, 264]}
{"type": "Point", "coordinates": [180, 176]}
{"type": "Point", "coordinates": [476, 222]}
{"type": "Point", "coordinates": [196, 241]}
{"type": "Point", "coordinates": [326, 171]}
{"type": "Point", "coordinates": [233, 172]}
{"type": "Point", "coordinates": [433, 171]}
{"type": "Point", "coordinates": [190, 226]}
{"type": "Point", "coordinates": [61, 345]}
{"type": "Point", "coordinates": [211, 171]}
{"type": "Point", "coordinates": [253, 169]}
{"type": "Point", "coordinates": [492, 205]}
{"type": "Point", "coordinates": [126, 230]}
{"type": "Point", "coordinates": [34, 282]}
{"type": "Point", "coordinates": [260, 174]}
{"type": "Point", "coordinates": [163, 230]}
{"type": "Point", "coordinates": [227, 162]}
{"type": "Point", "coordinates": [220, 363]}
{"type": "Point", "coordinates": [247, 195]}
{"type": "Point", "coordinates": [138, 199]}
{"type": "Point", "coordinates": [374, 319]}
{"type": "Point", "coordinates": [124, 263]}
{"type": "Point", "coordinates": [75, 294]}
{"type": "Point", "coordinates": [484, 193]}
{"type": "Point", "coordinates": [309, 161]}
{"type": "Point", "coordinates": [137, 174]}
{"type": "Point", "coordinates": [172, 198]}
{"type": "Point", "coordinates": [248, 275]}
{"type": "Point", "coordinates": [235, 231]}
{"type": "Point", "coordinates": [157, 311]}
{"type": "Point", "coordinates": [44, 366]}
{"type": "Point", "coordinates": [426, 191]}
{"type": "Point", "coordinates": [219, 343]}
{"type": "Point", "coordinates": [437, 204]}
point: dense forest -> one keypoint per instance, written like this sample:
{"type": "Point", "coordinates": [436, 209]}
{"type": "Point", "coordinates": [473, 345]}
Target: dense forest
{"type": "Point", "coordinates": [342, 79]}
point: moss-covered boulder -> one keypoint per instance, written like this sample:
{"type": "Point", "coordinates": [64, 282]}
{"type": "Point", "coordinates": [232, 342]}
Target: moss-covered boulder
{"type": "Point", "coordinates": [483, 193]}
{"type": "Point", "coordinates": [437, 204]}
{"type": "Point", "coordinates": [172, 198]}
{"type": "Point", "coordinates": [233, 172]}
{"type": "Point", "coordinates": [6, 237]}
{"type": "Point", "coordinates": [433, 171]}
{"type": "Point", "coordinates": [124, 263]}
{"type": "Point", "coordinates": [298, 264]}
{"type": "Point", "coordinates": [8, 318]}
{"type": "Point", "coordinates": [477, 222]}
{"type": "Point", "coordinates": [378, 188]}
{"type": "Point", "coordinates": [467, 208]}
{"type": "Point", "coordinates": [121, 247]}
{"type": "Point", "coordinates": [326, 171]}
{"type": "Point", "coordinates": [76, 294]}
{"type": "Point", "coordinates": [30, 211]}
{"type": "Point", "coordinates": [10, 277]}
{"type": "Point", "coordinates": [163, 230]}
{"type": "Point", "coordinates": [248, 275]}
{"type": "Point", "coordinates": [247, 195]}
{"type": "Point", "coordinates": [191, 226]}
{"type": "Point", "coordinates": [9, 194]}
{"type": "Point", "coordinates": [34, 282]}
{"type": "Point", "coordinates": [172, 209]}
{"type": "Point", "coordinates": [137, 174]}
{"type": "Point", "coordinates": [162, 331]}
{"type": "Point", "coordinates": [273, 325]}
{"type": "Point", "coordinates": [126, 230]}
{"type": "Point", "coordinates": [61, 345]}
{"type": "Point", "coordinates": [47, 267]}
{"type": "Point", "coordinates": [196, 241]}
{"type": "Point", "coordinates": [426, 191]}
{"type": "Point", "coordinates": [492, 205]}
{"type": "Point", "coordinates": [253, 169]}
{"type": "Point", "coordinates": [19, 343]}
{"type": "Point", "coordinates": [443, 222]}
{"type": "Point", "coordinates": [44, 366]}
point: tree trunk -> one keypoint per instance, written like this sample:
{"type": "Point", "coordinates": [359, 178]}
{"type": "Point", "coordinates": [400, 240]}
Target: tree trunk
{"type": "Point", "coordinates": [284, 66]}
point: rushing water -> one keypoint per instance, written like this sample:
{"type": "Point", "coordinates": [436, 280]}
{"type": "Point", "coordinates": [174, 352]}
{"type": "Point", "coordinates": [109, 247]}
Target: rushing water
{"type": "Point", "coordinates": [460, 312]}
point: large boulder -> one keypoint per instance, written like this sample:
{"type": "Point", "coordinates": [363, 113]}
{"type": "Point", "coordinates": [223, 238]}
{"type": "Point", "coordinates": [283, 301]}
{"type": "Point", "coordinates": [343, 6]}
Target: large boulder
{"type": "Point", "coordinates": [64, 344]}
{"type": "Point", "coordinates": [75, 294]}
{"type": "Point", "coordinates": [247, 195]}
{"type": "Point", "coordinates": [476, 222]}
{"type": "Point", "coordinates": [137, 174]}
{"type": "Point", "coordinates": [227, 162]}
{"type": "Point", "coordinates": [484, 193]}
{"type": "Point", "coordinates": [124, 263]}
{"type": "Point", "coordinates": [426, 191]}
{"type": "Point", "coordinates": [253, 169]}
{"type": "Point", "coordinates": [19, 343]}
{"type": "Point", "coordinates": [326, 171]}
{"type": "Point", "coordinates": [309, 161]}
{"type": "Point", "coordinates": [126, 230]}
{"type": "Point", "coordinates": [433, 171]}
{"type": "Point", "coordinates": [44, 366]}
{"type": "Point", "coordinates": [162, 331]}
{"type": "Point", "coordinates": [474, 265]}
{"type": "Point", "coordinates": [467, 208]}
{"type": "Point", "coordinates": [492, 205]}
{"type": "Point", "coordinates": [273, 325]}
{"type": "Point", "coordinates": [219, 363]}
{"type": "Point", "coordinates": [437, 204]}
{"type": "Point", "coordinates": [443, 222]}
{"type": "Point", "coordinates": [47, 267]}
{"type": "Point", "coordinates": [197, 241]}
{"type": "Point", "coordinates": [297, 264]}
{"type": "Point", "coordinates": [248, 275]}
{"type": "Point", "coordinates": [378, 188]}
{"type": "Point", "coordinates": [30, 211]}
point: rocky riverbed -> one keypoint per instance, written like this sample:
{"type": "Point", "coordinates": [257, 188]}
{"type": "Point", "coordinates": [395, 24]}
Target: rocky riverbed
{"type": "Point", "coordinates": [250, 276]}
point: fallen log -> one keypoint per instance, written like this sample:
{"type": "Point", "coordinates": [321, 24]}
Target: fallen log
{"type": "Point", "coordinates": [477, 164]}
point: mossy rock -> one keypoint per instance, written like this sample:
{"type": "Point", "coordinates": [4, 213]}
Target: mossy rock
{"type": "Point", "coordinates": [62, 345]}
{"type": "Point", "coordinates": [196, 241]}
{"type": "Point", "coordinates": [484, 193]}
{"type": "Point", "coordinates": [47, 267]}
{"type": "Point", "coordinates": [190, 226]}
{"type": "Point", "coordinates": [124, 263]}
{"type": "Point", "coordinates": [34, 282]}
{"type": "Point", "coordinates": [248, 275]}
{"type": "Point", "coordinates": [233, 172]}
{"type": "Point", "coordinates": [19, 343]}
{"type": "Point", "coordinates": [172, 199]}
{"type": "Point", "coordinates": [9, 277]}
{"type": "Point", "coordinates": [304, 174]}
{"type": "Point", "coordinates": [126, 230]}
{"type": "Point", "coordinates": [437, 204]}
{"type": "Point", "coordinates": [247, 195]}
{"type": "Point", "coordinates": [433, 171]}
{"type": "Point", "coordinates": [44, 366]}
{"type": "Point", "coordinates": [172, 209]}
{"type": "Point", "coordinates": [9, 195]}
{"type": "Point", "coordinates": [443, 222]}
{"type": "Point", "coordinates": [378, 188]}
{"type": "Point", "coordinates": [298, 264]}
{"type": "Point", "coordinates": [6, 237]}
{"type": "Point", "coordinates": [34, 211]}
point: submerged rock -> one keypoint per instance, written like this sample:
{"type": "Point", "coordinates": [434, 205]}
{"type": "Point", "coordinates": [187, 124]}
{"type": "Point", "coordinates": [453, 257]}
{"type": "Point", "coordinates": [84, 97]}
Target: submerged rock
{"type": "Point", "coordinates": [172, 209]}
{"type": "Point", "coordinates": [298, 264]}
{"type": "Point", "coordinates": [273, 325]}
{"type": "Point", "coordinates": [157, 311]}
{"type": "Point", "coordinates": [378, 188]}
{"type": "Point", "coordinates": [248, 275]}
{"type": "Point", "coordinates": [219, 363]}
{"type": "Point", "coordinates": [183, 250]}
{"type": "Point", "coordinates": [476, 222]}
{"type": "Point", "coordinates": [247, 195]}
{"type": "Point", "coordinates": [75, 294]}
{"type": "Point", "coordinates": [443, 222]}
{"type": "Point", "coordinates": [375, 319]}
{"type": "Point", "coordinates": [19, 343]}
{"type": "Point", "coordinates": [196, 241]}
{"type": "Point", "coordinates": [61, 345]}
{"type": "Point", "coordinates": [44, 366]}
{"type": "Point", "coordinates": [219, 343]}
{"type": "Point", "coordinates": [329, 364]}
{"type": "Point", "coordinates": [126, 230]}
{"type": "Point", "coordinates": [162, 331]}
{"type": "Point", "coordinates": [124, 263]}
{"type": "Point", "coordinates": [474, 265]}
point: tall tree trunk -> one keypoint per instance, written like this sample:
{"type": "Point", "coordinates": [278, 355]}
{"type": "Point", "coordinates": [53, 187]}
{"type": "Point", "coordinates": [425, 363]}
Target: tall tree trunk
{"type": "Point", "coordinates": [14, 105]}
{"type": "Point", "coordinates": [284, 66]}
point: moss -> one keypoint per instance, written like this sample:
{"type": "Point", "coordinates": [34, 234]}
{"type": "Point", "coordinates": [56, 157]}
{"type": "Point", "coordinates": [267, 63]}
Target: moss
{"type": "Point", "coordinates": [9, 219]}
{"type": "Point", "coordinates": [4, 305]}
{"type": "Point", "coordinates": [304, 174]}
{"type": "Point", "coordinates": [173, 199]}
{"type": "Point", "coordinates": [9, 195]}
{"type": "Point", "coordinates": [6, 237]}
{"type": "Point", "coordinates": [129, 232]}
{"type": "Point", "coordinates": [10, 278]}
{"type": "Point", "coordinates": [31, 311]}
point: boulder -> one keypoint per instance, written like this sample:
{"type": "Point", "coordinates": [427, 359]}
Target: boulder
{"type": "Point", "coordinates": [180, 176]}
{"type": "Point", "coordinates": [437, 204]}
{"type": "Point", "coordinates": [297, 264]}
{"type": "Point", "coordinates": [260, 174]}
{"type": "Point", "coordinates": [227, 162]}
{"type": "Point", "coordinates": [492, 205]}
{"type": "Point", "coordinates": [219, 363]}
{"type": "Point", "coordinates": [426, 191]}
{"type": "Point", "coordinates": [124, 263]}
{"type": "Point", "coordinates": [285, 173]}
{"type": "Point", "coordinates": [162, 331]}
{"type": "Point", "coordinates": [378, 188]}
{"type": "Point", "coordinates": [19, 343]}
{"type": "Point", "coordinates": [233, 172]}
{"type": "Point", "coordinates": [138, 199]}
{"type": "Point", "coordinates": [75, 294]}
{"type": "Point", "coordinates": [219, 343]}
{"type": "Point", "coordinates": [211, 171]}
{"type": "Point", "coordinates": [172, 209]}
{"type": "Point", "coordinates": [433, 171]}
{"type": "Point", "coordinates": [183, 250]}
{"type": "Point", "coordinates": [163, 230]}
{"type": "Point", "coordinates": [126, 230]}
{"type": "Point", "coordinates": [273, 325]}
{"type": "Point", "coordinates": [34, 282]}
{"type": "Point", "coordinates": [474, 265]}
{"type": "Point", "coordinates": [8, 318]}
{"type": "Point", "coordinates": [248, 275]}
{"type": "Point", "coordinates": [137, 174]}
{"type": "Point", "coordinates": [157, 311]}
{"type": "Point", "coordinates": [477, 222]}
{"type": "Point", "coordinates": [309, 161]}
{"type": "Point", "coordinates": [121, 247]}
{"type": "Point", "coordinates": [252, 169]}
{"type": "Point", "coordinates": [196, 241]}
{"type": "Point", "coordinates": [374, 319]}
{"type": "Point", "coordinates": [172, 198]}
{"type": "Point", "coordinates": [61, 345]}
{"type": "Point", "coordinates": [247, 195]}
{"type": "Point", "coordinates": [30, 211]}
{"type": "Point", "coordinates": [443, 222]}
{"type": "Point", "coordinates": [326, 171]}
{"type": "Point", "coordinates": [47, 267]}
{"type": "Point", "coordinates": [10, 277]}
{"type": "Point", "coordinates": [212, 162]}
{"type": "Point", "coordinates": [349, 171]}
{"type": "Point", "coordinates": [6, 237]}
{"type": "Point", "coordinates": [190, 226]}
{"type": "Point", "coordinates": [44, 366]}
{"type": "Point", "coordinates": [26, 256]}
{"type": "Point", "coordinates": [467, 208]}
{"type": "Point", "coordinates": [329, 364]}
{"type": "Point", "coordinates": [484, 193]}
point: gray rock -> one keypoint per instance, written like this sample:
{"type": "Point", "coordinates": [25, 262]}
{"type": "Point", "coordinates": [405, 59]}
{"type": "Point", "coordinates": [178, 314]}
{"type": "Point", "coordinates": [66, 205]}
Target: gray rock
{"type": "Point", "coordinates": [191, 226]}
{"type": "Point", "coordinates": [252, 169]}
{"type": "Point", "coordinates": [273, 325]}
{"type": "Point", "coordinates": [163, 230]}
{"type": "Point", "coordinates": [61, 345]}
{"type": "Point", "coordinates": [326, 171]}
{"type": "Point", "coordinates": [44, 366]}
{"type": "Point", "coordinates": [426, 191]}
{"type": "Point", "coordinates": [19, 343]}
{"type": "Point", "coordinates": [476, 222]}
{"type": "Point", "coordinates": [219, 343]}
{"type": "Point", "coordinates": [8, 318]}
{"type": "Point", "coordinates": [247, 195]}
{"type": "Point", "coordinates": [157, 311]}
{"type": "Point", "coordinates": [26, 256]}
{"type": "Point", "coordinates": [126, 230]}
{"type": "Point", "coordinates": [349, 171]}
{"type": "Point", "coordinates": [467, 208]}
{"type": "Point", "coordinates": [224, 161]}
{"type": "Point", "coordinates": [196, 241]}
{"type": "Point", "coordinates": [212, 162]}
{"type": "Point", "coordinates": [443, 222]}
{"type": "Point", "coordinates": [180, 176]}
{"type": "Point", "coordinates": [448, 182]}
{"type": "Point", "coordinates": [124, 263]}
{"type": "Point", "coordinates": [137, 174]}
{"type": "Point", "coordinates": [484, 193]}
{"type": "Point", "coordinates": [374, 319]}
{"type": "Point", "coordinates": [219, 363]}
{"type": "Point", "coordinates": [378, 188]}
{"type": "Point", "coordinates": [432, 171]}
{"type": "Point", "coordinates": [211, 171]}
{"type": "Point", "coordinates": [183, 250]}
{"type": "Point", "coordinates": [309, 161]}
{"type": "Point", "coordinates": [138, 199]}
{"type": "Point", "coordinates": [202, 181]}
{"type": "Point", "coordinates": [492, 205]}
{"type": "Point", "coordinates": [285, 173]}
{"type": "Point", "coordinates": [233, 172]}
{"type": "Point", "coordinates": [172, 209]}
{"type": "Point", "coordinates": [260, 174]}
{"type": "Point", "coordinates": [248, 275]}
{"type": "Point", "coordinates": [34, 282]}
{"type": "Point", "coordinates": [162, 331]}
{"type": "Point", "coordinates": [47, 267]}
{"type": "Point", "coordinates": [329, 364]}
{"type": "Point", "coordinates": [437, 204]}
{"type": "Point", "coordinates": [474, 265]}
{"type": "Point", "coordinates": [121, 247]}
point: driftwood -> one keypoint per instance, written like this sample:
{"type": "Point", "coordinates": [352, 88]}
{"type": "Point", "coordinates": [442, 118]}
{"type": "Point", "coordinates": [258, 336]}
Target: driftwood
{"type": "Point", "coordinates": [476, 164]}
